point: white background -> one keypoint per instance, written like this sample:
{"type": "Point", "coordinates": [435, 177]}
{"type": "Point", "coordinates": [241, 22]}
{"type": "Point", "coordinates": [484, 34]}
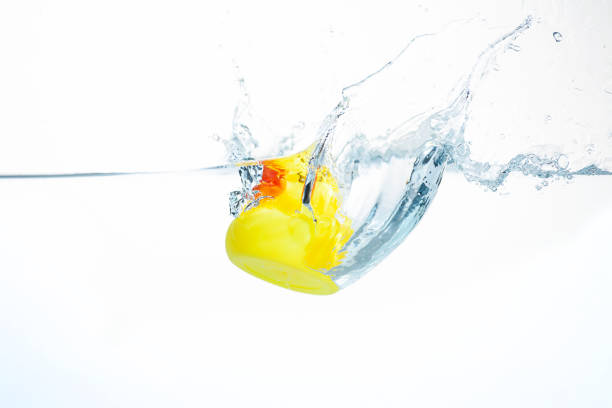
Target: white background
{"type": "Point", "coordinates": [117, 292]}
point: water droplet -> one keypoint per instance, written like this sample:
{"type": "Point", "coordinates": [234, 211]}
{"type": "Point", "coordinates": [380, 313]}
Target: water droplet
{"type": "Point", "coordinates": [557, 36]}
{"type": "Point", "coordinates": [514, 47]}
{"type": "Point", "coordinates": [590, 148]}
{"type": "Point", "coordinates": [563, 162]}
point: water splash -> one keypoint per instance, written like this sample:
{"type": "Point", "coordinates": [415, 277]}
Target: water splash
{"type": "Point", "coordinates": [393, 133]}
{"type": "Point", "coordinates": [431, 108]}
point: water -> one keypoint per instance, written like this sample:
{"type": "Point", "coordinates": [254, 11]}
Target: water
{"type": "Point", "coordinates": [487, 102]}
{"type": "Point", "coordinates": [392, 135]}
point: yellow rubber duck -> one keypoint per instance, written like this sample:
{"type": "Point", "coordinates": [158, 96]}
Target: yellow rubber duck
{"type": "Point", "coordinates": [279, 240]}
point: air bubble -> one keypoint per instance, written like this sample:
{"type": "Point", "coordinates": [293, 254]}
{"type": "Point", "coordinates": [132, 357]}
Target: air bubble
{"type": "Point", "coordinates": [563, 162]}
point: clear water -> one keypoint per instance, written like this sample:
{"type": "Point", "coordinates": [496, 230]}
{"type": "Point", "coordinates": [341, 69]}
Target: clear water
{"type": "Point", "coordinates": [488, 102]}
{"type": "Point", "coordinates": [450, 100]}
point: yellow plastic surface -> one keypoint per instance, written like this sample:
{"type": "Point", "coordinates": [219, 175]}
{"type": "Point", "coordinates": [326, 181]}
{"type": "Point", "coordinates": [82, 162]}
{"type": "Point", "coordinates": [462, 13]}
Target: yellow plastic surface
{"type": "Point", "coordinates": [279, 241]}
